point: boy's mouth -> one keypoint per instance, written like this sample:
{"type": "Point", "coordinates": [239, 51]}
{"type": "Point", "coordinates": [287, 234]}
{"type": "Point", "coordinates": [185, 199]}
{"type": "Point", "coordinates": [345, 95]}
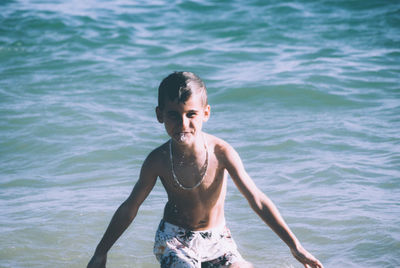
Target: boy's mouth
{"type": "Point", "coordinates": [182, 136]}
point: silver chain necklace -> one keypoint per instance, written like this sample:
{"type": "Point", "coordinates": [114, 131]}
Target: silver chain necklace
{"type": "Point", "coordinates": [173, 172]}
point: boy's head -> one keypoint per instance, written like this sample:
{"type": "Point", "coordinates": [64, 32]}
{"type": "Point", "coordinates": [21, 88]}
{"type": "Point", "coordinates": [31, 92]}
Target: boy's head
{"type": "Point", "coordinates": [180, 86]}
{"type": "Point", "coordinates": [182, 106]}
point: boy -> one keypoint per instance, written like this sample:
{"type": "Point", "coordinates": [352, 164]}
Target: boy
{"type": "Point", "coordinates": [193, 167]}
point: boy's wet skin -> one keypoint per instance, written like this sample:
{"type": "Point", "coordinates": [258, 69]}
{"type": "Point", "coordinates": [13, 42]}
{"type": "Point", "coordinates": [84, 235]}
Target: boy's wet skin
{"type": "Point", "coordinates": [193, 167]}
{"type": "Point", "coordinates": [199, 208]}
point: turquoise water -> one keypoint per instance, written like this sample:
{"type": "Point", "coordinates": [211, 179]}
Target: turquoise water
{"type": "Point", "coordinates": [308, 93]}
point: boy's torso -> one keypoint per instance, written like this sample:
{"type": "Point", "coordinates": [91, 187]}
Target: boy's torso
{"type": "Point", "coordinates": [202, 207]}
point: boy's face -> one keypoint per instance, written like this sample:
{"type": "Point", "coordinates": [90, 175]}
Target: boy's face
{"type": "Point", "coordinates": [183, 121]}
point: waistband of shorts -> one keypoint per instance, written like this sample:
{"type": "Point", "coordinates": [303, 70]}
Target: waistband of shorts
{"type": "Point", "coordinates": [219, 227]}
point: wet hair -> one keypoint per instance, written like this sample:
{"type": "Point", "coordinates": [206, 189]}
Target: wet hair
{"type": "Point", "coordinates": [180, 86]}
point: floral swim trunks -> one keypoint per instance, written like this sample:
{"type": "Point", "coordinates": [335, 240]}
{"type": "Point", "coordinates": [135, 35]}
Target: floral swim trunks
{"type": "Point", "coordinates": [175, 247]}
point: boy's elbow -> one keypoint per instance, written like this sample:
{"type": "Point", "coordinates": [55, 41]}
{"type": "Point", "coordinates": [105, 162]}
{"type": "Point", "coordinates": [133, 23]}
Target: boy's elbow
{"type": "Point", "coordinates": [259, 202]}
{"type": "Point", "coordinates": [128, 210]}
{"type": "Point", "coordinates": [256, 201]}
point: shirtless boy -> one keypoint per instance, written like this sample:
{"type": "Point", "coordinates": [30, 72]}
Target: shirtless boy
{"type": "Point", "coordinates": [193, 167]}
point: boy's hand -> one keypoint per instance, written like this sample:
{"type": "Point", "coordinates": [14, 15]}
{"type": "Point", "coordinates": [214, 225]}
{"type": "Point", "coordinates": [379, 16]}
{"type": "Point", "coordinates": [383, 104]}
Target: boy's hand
{"type": "Point", "coordinates": [308, 260]}
{"type": "Point", "coordinates": [97, 262]}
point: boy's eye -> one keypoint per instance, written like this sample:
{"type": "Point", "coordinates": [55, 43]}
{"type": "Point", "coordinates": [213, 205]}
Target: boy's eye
{"type": "Point", "coordinates": [192, 114]}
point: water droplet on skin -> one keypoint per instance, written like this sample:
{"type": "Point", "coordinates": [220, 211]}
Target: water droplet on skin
{"type": "Point", "coordinates": [182, 137]}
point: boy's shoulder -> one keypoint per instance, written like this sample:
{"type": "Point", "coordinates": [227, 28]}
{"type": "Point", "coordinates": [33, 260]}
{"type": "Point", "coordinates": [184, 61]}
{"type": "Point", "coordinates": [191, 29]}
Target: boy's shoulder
{"type": "Point", "coordinates": [227, 156]}
{"type": "Point", "coordinates": [159, 153]}
{"type": "Point", "coordinates": [214, 143]}
{"type": "Point", "coordinates": [217, 146]}
{"type": "Point", "coordinates": [156, 161]}
{"type": "Point", "coordinates": [221, 148]}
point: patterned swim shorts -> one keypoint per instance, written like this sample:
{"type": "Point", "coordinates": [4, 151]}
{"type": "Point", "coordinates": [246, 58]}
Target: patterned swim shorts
{"type": "Point", "coordinates": [175, 247]}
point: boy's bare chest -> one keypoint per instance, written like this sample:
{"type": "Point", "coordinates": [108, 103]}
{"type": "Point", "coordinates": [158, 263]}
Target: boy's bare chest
{"type": "Point", "coordinates": [190, 175]}
{"type": "Point", "coordinates": [193, 181]}
{"type": "Point", "coordinates": [188, 207]}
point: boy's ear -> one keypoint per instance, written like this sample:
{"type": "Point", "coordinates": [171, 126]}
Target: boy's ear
{"type": "Point", "coordinates": [207, 112]}
{"type": "Point", "coordinates": [159, 115]}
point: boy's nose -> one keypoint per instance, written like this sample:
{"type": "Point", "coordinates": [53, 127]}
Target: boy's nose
{"type": "Point", "coordinates": [184, 121]}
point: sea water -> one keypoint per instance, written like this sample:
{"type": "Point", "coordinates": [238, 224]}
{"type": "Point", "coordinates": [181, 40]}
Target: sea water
{"type": "Point", "coordinates": [307, 92]}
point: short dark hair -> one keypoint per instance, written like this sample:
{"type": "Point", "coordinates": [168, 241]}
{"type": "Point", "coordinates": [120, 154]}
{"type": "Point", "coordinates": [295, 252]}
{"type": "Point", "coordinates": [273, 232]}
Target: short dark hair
{"type": "Point", "coordinates": [180, 86]}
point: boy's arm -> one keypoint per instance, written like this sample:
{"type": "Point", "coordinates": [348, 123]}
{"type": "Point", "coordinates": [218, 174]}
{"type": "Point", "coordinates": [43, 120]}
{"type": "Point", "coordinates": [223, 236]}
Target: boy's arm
{"type": "Point", "coordinates": [126, 212]}
{"type": "Point", "coordinates": [264, 207]}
